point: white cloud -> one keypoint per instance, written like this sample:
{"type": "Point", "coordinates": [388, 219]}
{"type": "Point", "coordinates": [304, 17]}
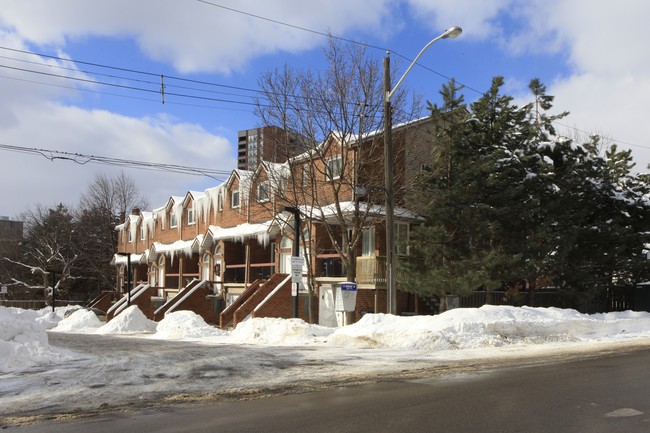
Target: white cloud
{"type": "Point", "coordinates": [604, 43]}
{"type": "Point", "coordinates": [101, 133]}
{"type": "Point", "coordinates": [191, 35]}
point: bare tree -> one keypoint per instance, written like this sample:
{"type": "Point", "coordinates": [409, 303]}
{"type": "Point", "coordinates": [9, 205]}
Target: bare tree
{"type": "Point", "coordinates": [335, 117]}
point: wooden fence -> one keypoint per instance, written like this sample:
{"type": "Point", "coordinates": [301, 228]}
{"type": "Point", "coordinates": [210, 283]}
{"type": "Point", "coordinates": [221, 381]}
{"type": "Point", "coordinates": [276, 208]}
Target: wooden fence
{"type": "Point", "coordinates": [36, 304]}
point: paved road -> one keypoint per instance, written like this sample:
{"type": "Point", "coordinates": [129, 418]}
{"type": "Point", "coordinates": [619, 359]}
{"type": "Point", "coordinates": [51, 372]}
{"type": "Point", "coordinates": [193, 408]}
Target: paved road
{"type": "Point", "coordinates": [605, 394]}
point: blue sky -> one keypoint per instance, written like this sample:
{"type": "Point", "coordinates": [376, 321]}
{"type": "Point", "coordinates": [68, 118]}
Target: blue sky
{"type": "Point", "coordinates": [593, 56]}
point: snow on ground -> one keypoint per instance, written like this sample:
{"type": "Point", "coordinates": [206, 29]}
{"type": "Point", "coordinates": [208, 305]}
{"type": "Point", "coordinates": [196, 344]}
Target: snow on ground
{"type": "Point", "coordinates": [87, 363]}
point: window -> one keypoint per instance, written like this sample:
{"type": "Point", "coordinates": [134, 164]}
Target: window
{"type": "Point", "coordinates": [263, 191]}
{"type": "Point", "coordinates": [368, 242]}
{"type": "Point", "coordinates": [220, 202]}
{"type": "Point", "coordinates": [191, 217]}
{"type": "Point", "coordinates": [401, 238]}
{"type": "Point", "coordinates": [172, 220]}
{"type": "Point", "coordinates": [130, 236]}
{"type": "Point", "coordinates": [141, 233]}
{"type": "Point", "coordinates": [234, 199]}
{"type": "Point", "coordinates": [335, 167]}
{"type": "Point", "coordinates": [343, 243]}
{"type": "Point", "coordinates": [286, 242]}
{"type": "Point", "coordinates": [305, 175]}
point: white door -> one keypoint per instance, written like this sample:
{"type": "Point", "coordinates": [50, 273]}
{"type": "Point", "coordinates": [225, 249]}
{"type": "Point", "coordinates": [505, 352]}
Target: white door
{"type": "Point", "coordinates": [205, 272]}
{"type": "Point", "coordinates": [326, 312]}
{"type": "Point", "coordinates": [285, 263]}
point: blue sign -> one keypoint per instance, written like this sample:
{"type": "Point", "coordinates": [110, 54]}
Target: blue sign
{"type": "Point", "coordinates": [351, 287]}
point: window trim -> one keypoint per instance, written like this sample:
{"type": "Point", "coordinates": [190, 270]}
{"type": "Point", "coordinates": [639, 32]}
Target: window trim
{"type": "Point", "coordinates": [191, 216]}
{"type": "Point", "coordinates": [266, 188]}
{"type": "Point", "coordinates": [330, 167]}
{"type": "Point", "coordinates": [173, 221]}
{"type": "Point", "coordinates": [398, 240]}
{"type": "Point", "coordinates": [232, 199]}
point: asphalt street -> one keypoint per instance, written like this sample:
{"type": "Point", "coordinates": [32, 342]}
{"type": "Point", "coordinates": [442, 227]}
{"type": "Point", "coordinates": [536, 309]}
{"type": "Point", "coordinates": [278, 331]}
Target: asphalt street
{"type": "Point", "coordinates": [608, 393]}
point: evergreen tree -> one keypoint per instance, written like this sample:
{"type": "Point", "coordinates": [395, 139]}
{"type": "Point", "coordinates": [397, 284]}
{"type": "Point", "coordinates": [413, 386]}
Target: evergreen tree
{"type": "Point", "coordinates": [509, 204]}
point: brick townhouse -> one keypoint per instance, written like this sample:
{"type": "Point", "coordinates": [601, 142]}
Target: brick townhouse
{"type": "Point", "coordinates": [225, 252]}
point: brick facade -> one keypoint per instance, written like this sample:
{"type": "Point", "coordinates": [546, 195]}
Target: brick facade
{"type": "Point", "coordinates": [230, 235]}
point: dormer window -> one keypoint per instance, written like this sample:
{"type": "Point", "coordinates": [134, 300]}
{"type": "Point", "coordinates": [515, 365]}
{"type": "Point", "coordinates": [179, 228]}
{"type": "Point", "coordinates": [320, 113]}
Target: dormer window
{"type": "Point", "coordinates": [234, 199]}
{"type": "Point", "coordinates": [263, 191]}
{"type": "Point", "coordinates": [172, 221]}
{"type": "Point", "coordinates": [334, 167]}
{"type": "Point", "coordinates": [191, 217]}
{"type": "Point", "coordinates": [141, 233]}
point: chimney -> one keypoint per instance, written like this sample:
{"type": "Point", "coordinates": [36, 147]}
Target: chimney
{"type": "Point", "coordinates": [135, 211]}
{"type": "Point", "coordinates": [122, 217]}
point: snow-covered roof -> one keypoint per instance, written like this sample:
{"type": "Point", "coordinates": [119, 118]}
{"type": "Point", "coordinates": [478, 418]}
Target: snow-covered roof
{"type": "Point", "coordinates": [173, 249]}
{"type": "Point", "coordinates": [347, 208]}
{"type": "Point", "coordinates": [261, 231]}
{"type": "Point", "coordinates": [135, 258]}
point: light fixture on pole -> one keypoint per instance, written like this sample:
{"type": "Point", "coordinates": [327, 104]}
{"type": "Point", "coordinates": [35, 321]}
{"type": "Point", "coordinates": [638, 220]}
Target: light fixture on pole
{"type": "Point", "coordinates": [391, 291]}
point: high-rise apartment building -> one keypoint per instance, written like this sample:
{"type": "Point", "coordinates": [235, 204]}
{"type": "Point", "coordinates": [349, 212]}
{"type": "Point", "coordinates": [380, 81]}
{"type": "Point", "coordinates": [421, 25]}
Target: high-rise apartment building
{"type": "Point", "coordinates": [268, 143]}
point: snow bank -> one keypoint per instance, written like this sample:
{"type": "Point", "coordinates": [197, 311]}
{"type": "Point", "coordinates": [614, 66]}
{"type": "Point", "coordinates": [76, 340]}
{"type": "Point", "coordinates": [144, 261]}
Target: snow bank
{"type": "Point", "coordinates": [273, 331]}
{"type": "Point", "coordinates": [81, 321]}
{"type": "Point", "coordinates": [129, 321]}
{"type": "Point", "coordinates": [23, 341]}
{"type": "Point", "coordinates": [468, 328]}
{"type": "Point", "coordinates": [186, 324]}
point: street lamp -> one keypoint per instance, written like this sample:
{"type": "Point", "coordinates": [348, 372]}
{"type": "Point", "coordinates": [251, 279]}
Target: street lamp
{"type": "Point", "coordinates": [452, 32]}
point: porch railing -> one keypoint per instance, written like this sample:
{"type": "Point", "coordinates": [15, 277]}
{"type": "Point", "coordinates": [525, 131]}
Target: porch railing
{"type": "Point", "coordinates": [371, 270]}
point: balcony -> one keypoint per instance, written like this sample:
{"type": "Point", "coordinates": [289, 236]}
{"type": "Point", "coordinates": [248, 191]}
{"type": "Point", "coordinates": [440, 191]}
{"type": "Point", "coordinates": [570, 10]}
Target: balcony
{"type": "Point", "coordinates": [371, 270]}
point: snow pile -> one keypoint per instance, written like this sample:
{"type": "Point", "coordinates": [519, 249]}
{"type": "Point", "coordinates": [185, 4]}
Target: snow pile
{"type": "Point", "coordinates": [81, 321]}
{"type": "Point", "coordinates": [50, 319]}
{"type": "Point", "coordinates": [280, 332]}
{"type": "Point", "coordinates": [469, 328]}
{"type": "Point", "coordinates": [186, 324]}
{"type": "Point", "coordinates": [23, 342]}
{"type": "Point", "coordinates": [129, 321]}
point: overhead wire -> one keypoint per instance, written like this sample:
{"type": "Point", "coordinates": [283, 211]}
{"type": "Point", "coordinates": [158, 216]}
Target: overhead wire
{"type": "Point", "coordinates": [83, 159]}
{"type": "Point", "coordinates": [160, 89]}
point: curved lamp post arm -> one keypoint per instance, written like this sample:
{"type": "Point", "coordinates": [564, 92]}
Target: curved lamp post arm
{"type": "Point", "coordinates": [452, 32]}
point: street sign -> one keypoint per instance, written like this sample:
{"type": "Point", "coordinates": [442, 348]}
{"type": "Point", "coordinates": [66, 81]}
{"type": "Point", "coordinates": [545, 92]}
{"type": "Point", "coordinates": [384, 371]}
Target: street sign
{"type": "Point", "coordinates": [297, 263]}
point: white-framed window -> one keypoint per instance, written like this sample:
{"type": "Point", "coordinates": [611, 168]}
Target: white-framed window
{"type": "Point", "coordinates": [335, 166]}
{"type": "Point", "coordinates": [172, 220]}
{"type": "Point", "coordinates": [343, 243]}
{"type": "Point", "coordinates": [130, 236]}
{"type": "Point", "coordinates": [220, 202]}
{"type": "Point", "coordinates": [141, 233]}
{"type": "Point", "coordinates": [368, 242]}
{"type": "Point", "coordinates": [286, 242]}
{"type": "Point", "coordinates": [191, 216]}
{"type": "Point", "coordinates": [234, 199]}
{"type": "Point", "coordinates": [401, 238]}
{"type": "Point", "coordinates": [263, 191]}
{"type": "Point", "coordinates": [305, 175]}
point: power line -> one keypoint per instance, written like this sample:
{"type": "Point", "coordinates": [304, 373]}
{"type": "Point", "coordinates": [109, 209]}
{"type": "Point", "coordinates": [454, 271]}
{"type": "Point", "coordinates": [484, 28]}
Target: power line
{"type": "Point", "coordinates": [83, 159]}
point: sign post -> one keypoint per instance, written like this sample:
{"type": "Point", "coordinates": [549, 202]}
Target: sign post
{"type": "Point", "coordinates": [297, 263]}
